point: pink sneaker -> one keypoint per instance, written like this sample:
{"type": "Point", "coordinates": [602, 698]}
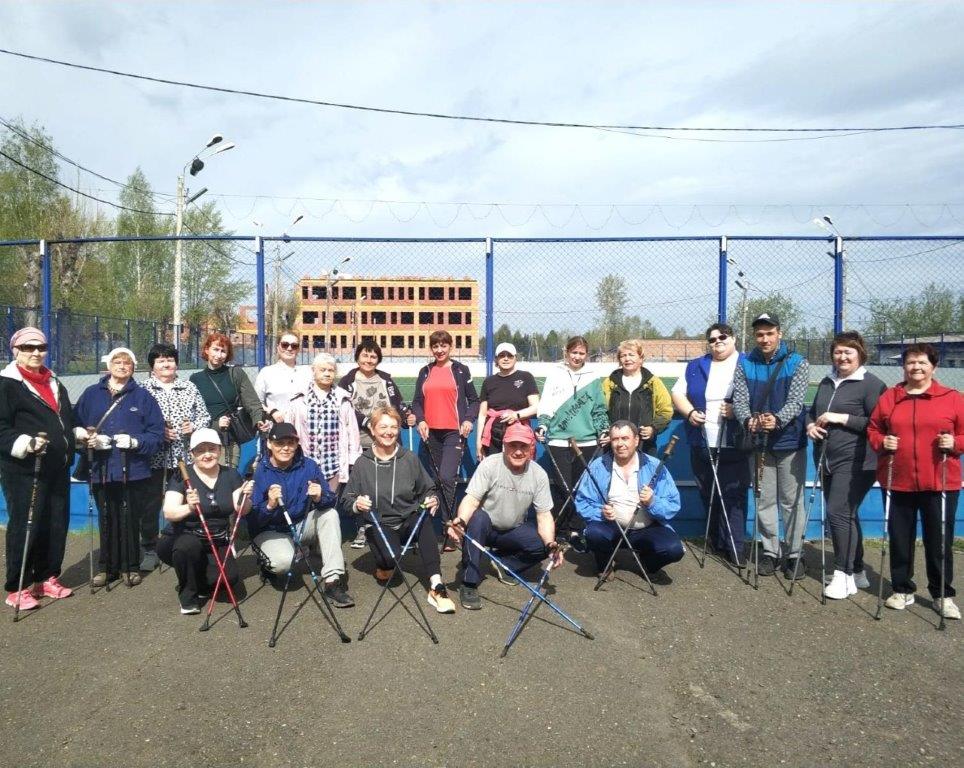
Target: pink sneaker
{"type": "Point", "coordinates": [51, 588]}
{"type": "Point", "coordinates": [27, 601]}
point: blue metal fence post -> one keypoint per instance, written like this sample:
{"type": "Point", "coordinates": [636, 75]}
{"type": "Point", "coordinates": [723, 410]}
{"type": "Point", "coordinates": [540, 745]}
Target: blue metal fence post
{"type": "Point", "coordinates": [46, 291]}
{"type": "Point", "coordinates": [489, 306]}
{"type": "Point", "coordinates": [721, 288]}
{"type": "Point", "coordinates": [838, 285]}
{"type": "Point", "coordinates": [260, 343]}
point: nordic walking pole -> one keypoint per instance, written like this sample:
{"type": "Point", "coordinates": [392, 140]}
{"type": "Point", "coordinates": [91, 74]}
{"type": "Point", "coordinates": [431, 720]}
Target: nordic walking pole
{"type": "Point", "coordinates": [230, 550]}
{"type": "Point", "coordinates": [886, 537]}
{"type": "Point", "coordinates": [398, 569]}
{"type": "Point", "coordinates": [714, 464]}
{"type": "Point", "coordinates": [222, 575]}
{"type": "Point", "coordinates": [944, 452]}
{"type": "Point", "coordinates": [405, 548]}
{"type": "Point", "coordinates": [524, 614]}
{"type": "Point", "coordinates": [90, 510]}
{"type": "Point", "coordinates": [726, 518]}
{"type": "Point", "coordinates": [462, 533]}
{"type": "Point", "coordinates": [758, 463]}
{"type": "Point", "coordinates": [817, 485]}
{"type": "Point", "coordinates": [622, 531]}
{"type": "Point", "coordinates": [125, 522]}
{"type": "Point", "coordinates": [296, 540]}
{"type": "Point", "coordinates": [565, 486]}
{"type": "Point", "coordinates": [667, 452]}
{"type": "Point", "coordinates": [38, 460]}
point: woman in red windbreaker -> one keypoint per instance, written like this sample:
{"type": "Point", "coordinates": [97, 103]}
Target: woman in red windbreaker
{"type": "Point", "coordinates": [920, 422]}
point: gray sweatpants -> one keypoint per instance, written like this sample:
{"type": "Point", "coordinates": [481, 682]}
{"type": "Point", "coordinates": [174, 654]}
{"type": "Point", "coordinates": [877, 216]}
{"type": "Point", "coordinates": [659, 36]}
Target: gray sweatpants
{"type": "Point", "coordinates": [321, 526]}
{"type": "Point", "coordinates": [784, 473]}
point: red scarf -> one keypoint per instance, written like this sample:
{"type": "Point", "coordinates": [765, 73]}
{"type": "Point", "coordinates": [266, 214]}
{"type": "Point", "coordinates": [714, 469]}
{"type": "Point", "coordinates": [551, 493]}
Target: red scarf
{"type": "Point", "coordinates": [41, 382]}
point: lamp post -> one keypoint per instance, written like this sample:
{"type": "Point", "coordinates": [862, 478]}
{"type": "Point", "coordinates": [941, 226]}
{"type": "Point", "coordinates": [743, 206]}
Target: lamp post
{"type": "Point", "coordinates": [329, 284]}
{"type": "Point", "coordinates": [216, 145]}
{"type": "Point", "coordinates": [840, 273]}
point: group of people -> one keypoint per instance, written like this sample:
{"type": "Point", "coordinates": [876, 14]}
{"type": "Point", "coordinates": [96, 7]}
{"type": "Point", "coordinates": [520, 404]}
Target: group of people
{"type": "Point", "coordinates": [329, 449]}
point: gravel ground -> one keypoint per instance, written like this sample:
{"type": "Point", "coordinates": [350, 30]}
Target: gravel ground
{"type": "Point", "coordinates": [710, 672]}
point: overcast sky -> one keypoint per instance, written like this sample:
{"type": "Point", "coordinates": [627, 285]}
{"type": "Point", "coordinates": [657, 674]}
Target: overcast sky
{"type": "Point", "coordinates": [768, 64]}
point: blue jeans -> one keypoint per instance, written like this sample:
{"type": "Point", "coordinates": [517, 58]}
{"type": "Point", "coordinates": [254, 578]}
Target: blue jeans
{"type": "Point", "coordinates": [519, 548]}
{"type": "Point", "coordinates": [658, 545]}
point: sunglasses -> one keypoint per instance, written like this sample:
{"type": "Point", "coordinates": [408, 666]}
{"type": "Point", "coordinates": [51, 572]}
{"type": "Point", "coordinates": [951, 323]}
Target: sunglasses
{"type": "Point", "coordinates": [505, 354]}
{"type": "Point", "coordinates": [288, 345]}
{"type": "Point", "coordinates": [721, 337]}
{"type": "Point", "coordinates": [32, 347]}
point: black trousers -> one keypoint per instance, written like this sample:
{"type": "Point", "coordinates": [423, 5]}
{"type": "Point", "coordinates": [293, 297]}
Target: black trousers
{"type": "Point", "coordinates": [446, 447]}
{"type": "Point", "coordinates": [842, 492]}
{"type": "Point", "coordinates": [571, 470]}
{"type": "Point", "coordinates": [120, 531]}
{"type": "Point", "coordinates": [194, 565]}
{"type": "Point", "coordinates": [427, 545]}
{"type": "Point", "coordinates": [904, 507]}
{"type": "Point", "coordinates": [733, 471]}
{"type": "Point", "coordinates": [49, 536]}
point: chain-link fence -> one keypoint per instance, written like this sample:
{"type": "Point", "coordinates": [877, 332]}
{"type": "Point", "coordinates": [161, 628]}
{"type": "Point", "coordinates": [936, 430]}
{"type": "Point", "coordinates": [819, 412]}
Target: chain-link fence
{"type": "Point", "coordinates": [93, 294]}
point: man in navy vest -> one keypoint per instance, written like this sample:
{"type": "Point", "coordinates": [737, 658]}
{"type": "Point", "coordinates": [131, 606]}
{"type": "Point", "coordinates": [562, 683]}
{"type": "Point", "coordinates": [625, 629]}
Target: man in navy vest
{"type": "Point", "coordinates": [769, 390]}
{"type": "Point", "coordinates": [703, 395]}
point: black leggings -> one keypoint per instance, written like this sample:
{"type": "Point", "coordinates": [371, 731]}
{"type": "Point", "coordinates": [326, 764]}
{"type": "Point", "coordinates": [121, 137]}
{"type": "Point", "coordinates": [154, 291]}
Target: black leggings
{"type": "Point", "coordinates": [49, 535]}
{"type": "Point", "coordinates": [427, 546]}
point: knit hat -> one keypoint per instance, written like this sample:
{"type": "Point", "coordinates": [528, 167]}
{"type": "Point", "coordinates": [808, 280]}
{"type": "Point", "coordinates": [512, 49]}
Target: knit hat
{"type": "Point", "coordinates": [106, 359]}
{"type": "Point", "coordinates": [28, 335]}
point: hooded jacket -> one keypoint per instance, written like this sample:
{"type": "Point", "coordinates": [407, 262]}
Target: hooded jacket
{"type": "Point", "coordinates": [23, 414]}
{"type": "Point", "coordinates": [647, 406]}
{"type": "Point", "coordinates": [397, 486]}
{"type": "Point", "coordinates": [293, 480]}
{"type": "Point", "coordinates": [917, 420]}
{"type": "Point", "coordinates": [347, 383]}
{"type": "Point", "coordinates": [572, 405]}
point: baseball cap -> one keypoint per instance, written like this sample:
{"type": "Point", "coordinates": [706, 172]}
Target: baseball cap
{"type": "Point", "coordinates": [282, 430]}
{"type": "Point", "coordinates": [506, 346]}
{"type": "Point", "coordinates": [519, 433]}
{"type": "Point", "coordinates": [765, 318]}
{"type": "Point", "coordinates": [204, 435]}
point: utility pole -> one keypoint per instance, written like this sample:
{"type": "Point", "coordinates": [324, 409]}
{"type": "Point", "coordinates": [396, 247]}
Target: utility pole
{"type": "Point", "coordinates": [178, 224]}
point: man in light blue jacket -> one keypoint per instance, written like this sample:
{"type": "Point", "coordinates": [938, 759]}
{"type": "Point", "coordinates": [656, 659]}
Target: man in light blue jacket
{"type": "Point", "coordinates": [632, 500]}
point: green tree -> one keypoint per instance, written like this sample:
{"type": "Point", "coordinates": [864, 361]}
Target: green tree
{"type": "Point", "coordinates": [932, 311]}
{"type": "Point", "coordinates": [611, 298]}
{"type": "Point", "coordinates": [773, 303]}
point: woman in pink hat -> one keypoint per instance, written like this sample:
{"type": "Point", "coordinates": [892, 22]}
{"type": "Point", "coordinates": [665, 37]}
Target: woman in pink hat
{"type": "Point", "coordinates": [33, 403]}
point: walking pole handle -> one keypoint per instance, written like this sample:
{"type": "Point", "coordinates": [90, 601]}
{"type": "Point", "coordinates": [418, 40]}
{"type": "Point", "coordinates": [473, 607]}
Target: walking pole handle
{"type": "Point", "coordinates": [943, 432]}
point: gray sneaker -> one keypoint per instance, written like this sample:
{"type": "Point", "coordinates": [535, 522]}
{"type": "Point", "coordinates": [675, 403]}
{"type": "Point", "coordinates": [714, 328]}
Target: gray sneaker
{"type": "Point", "coordinates": [359, 541]}
{"type": "Point", "coordinates": [335, 591]}
{"type": "Point", "coordinates": [469, 597]}
{"type": "Point", "coordinates": [149, 559]}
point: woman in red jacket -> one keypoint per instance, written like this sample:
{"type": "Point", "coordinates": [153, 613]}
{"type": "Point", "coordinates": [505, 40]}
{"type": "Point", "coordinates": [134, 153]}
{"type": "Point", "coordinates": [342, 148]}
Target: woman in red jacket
{"type": "Point", "coordinates": [921, 423]}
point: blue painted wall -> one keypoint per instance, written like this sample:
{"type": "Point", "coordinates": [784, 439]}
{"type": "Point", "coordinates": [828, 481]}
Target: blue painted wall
{"type": "Point", "coordinates": [691, 520]}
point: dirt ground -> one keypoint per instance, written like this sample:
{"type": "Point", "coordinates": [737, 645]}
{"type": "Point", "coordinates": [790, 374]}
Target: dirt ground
{"type": "Point", "coordinates": [709, 672]}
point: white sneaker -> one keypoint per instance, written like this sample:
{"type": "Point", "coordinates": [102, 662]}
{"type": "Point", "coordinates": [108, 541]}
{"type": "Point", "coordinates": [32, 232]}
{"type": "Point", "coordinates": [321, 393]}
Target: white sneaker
{"type": "Point", "coordinates": [861, 581]}
{"type": "Point", "coordinates": [950, 611]}
{"type": "Point", "coordinates": [899, 601]}
{"type": "Point", "coordinates": [839, 587]}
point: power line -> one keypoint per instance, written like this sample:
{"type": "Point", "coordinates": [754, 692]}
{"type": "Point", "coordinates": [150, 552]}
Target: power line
{"type": "Point", "coordinates": [476, 118]}
{"type": "Point", "coordinates": [59, 183]}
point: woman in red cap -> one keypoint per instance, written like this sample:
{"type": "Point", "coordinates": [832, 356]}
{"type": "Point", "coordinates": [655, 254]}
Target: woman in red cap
{"type": "Point", "coordinates": [33, 403]}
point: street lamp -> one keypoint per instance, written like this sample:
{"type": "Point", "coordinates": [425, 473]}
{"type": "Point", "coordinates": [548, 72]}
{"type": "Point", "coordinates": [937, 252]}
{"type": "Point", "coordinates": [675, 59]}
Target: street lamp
{"type": "Point", "coordinates": [329, 284]}
{"type": "Point", "coordinates": [840, 308]}
{"type": "Point", "coordinates": [744, 286]}
{"type": "Point", "coordinates": [215, 146]}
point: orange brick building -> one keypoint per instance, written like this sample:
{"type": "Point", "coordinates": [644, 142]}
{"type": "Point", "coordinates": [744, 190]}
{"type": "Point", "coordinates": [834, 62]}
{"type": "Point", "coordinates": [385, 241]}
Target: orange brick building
{"type": "Point", "coordinates": [398, 313]}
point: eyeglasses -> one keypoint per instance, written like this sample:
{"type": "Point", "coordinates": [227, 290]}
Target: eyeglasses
{"type": "Point", "coordinates": [721, 337]}
{"type": "Point", "coordinates": [32, 347]}
{"type": "Point", "coordinates": [288, 345]}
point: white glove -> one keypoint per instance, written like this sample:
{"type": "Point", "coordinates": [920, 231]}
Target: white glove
{"type": "Point", "coordinates": [102, 442]}
{"type": "Point", "coordinates": [125, 442]}
{"type": "Point", "coordinates": [81, 435]}
{"type": "Point", "coordinates": [37, 444]}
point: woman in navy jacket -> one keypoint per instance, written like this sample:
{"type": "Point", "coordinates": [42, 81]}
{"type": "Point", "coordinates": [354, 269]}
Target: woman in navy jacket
{"type": "Point", "coordinates": [122, 423]}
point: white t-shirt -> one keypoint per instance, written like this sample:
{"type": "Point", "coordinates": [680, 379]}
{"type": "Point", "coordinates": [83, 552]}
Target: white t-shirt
{"type": "Point", "coordinates": [719, 387]}
{"type": "Point", "coordinates": [624, 497]}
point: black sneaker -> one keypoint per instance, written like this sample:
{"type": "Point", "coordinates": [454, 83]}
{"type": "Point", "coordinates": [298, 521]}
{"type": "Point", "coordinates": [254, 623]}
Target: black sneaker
{"type": "Point", "coordinates": [795, 569]}
{"type": "Point", "coordinates": [335, 591]}
{"type": "Point", "coordinates": [660, 577]}
{"type": "Point", "coordinates": [469, 597]}
{"type": "Point", "coordinates": [578, 543]}
{"type": "Point", "coordinates": [768, 565]}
